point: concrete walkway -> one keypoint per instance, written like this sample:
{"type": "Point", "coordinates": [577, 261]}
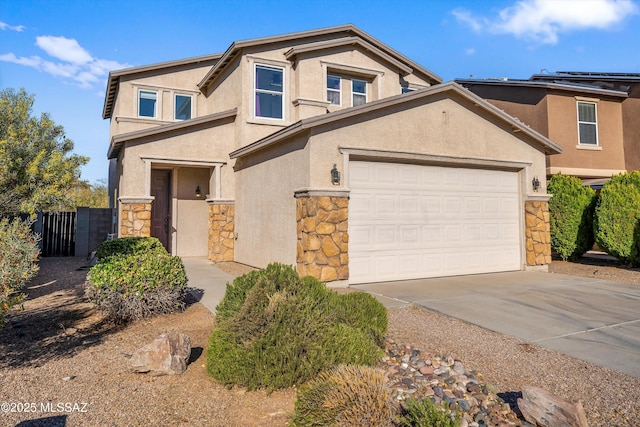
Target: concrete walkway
{"type": "Point", "coordinates": [208, 282]}
{"type": "Point", "coordinates": [590, 319]}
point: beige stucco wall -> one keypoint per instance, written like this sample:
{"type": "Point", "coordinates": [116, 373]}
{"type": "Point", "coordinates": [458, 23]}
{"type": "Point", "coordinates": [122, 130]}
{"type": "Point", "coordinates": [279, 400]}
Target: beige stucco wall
{"type": "Point", "coordinates": [190, 215]}
{"type": "Point", "coordinates": [563, 129]}
{"type": "Point", "coordinates": [442, 127]}
{"type": "Point", "coordinates": [265, 209]}
{"type": "Point", "coordinates": [439, 127]}
{"type": "Point", "coordinates": [181, 80]}
{"type": "Point", "coordinates": [206, 145]}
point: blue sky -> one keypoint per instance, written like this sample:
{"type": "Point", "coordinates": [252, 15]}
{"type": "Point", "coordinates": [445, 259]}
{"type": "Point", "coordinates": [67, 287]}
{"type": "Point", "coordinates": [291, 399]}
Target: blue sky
{"type": "Point", "coordinates": [62, 50]}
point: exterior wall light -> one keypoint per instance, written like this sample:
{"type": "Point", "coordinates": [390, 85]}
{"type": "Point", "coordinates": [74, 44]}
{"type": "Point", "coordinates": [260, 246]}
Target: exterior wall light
{"type": "Point", "coordinates": [198, 193]}
{"type": "Point", "coordinates": [536, 184]}
{"type": "Point", "coordinates": [335, 175]}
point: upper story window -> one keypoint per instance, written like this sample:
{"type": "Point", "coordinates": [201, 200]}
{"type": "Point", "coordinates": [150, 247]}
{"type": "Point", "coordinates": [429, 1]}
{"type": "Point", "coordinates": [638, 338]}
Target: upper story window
{"type": "Point", "coordinates": [587, 123]}
{"type": "Point", "coordinates": [182, 107]}
{"type": "Point", "coordinates": [147, 101]}
{"type": "Point", "coordinates": [334, 94]}
{"type": "Point", "coordinates": [358, 92]}
{"type": "Point", "coordinates": [269, 89]}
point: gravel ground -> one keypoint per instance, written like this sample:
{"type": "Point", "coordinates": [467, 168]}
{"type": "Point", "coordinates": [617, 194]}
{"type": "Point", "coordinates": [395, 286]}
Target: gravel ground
{"type": "Point", "coordinates": [59, 350]}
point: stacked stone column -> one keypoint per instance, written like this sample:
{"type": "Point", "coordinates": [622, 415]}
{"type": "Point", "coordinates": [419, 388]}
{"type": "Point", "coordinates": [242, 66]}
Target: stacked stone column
{"type": "Point", "coordinates": [221, 231]}
{"type": "Point", "coordinates": [323, 238]}
{"type": "Point", "coordinates": [537, 233]}
{"type": "Point", "coordinates": [135, 219]}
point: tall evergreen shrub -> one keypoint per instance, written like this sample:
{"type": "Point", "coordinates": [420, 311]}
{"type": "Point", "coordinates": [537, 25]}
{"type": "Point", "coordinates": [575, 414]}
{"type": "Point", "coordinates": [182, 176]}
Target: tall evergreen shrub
{"type": "Point", "coordinates": [275, 329]}
{"type": "Point", "coordinates": [571, 211]}
{"type": "Point", "coordinates": [617, 219]}
{"type": "Point", "coordinates": [18, 255]}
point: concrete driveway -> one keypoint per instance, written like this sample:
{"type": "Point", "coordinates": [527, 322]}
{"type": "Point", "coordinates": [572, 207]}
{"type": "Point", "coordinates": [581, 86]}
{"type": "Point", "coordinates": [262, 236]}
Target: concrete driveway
{"type": "Point", "coordinates": [590, 319]}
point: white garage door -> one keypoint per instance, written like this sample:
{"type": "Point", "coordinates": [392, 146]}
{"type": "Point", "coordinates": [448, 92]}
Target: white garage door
{"type": "Point", "coordinates": [411, 221]}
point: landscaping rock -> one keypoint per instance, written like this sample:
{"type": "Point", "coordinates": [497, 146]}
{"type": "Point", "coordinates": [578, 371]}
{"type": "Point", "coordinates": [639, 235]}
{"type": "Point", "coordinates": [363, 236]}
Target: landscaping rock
{"type": "Point", "coordinates": [541, 408]}
{"type": "Point", "coordinates": [166, 355]}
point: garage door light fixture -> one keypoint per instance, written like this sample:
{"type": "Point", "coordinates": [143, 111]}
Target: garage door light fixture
{"type": "Point", "coordinates": [536, 183]}
{"type": "Point", "coordinates": [335, 175]}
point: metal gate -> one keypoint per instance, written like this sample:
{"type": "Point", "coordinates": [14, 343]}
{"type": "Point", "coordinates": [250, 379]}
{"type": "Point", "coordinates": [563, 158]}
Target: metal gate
{"type": "Point", "coordinates": [57, 232]}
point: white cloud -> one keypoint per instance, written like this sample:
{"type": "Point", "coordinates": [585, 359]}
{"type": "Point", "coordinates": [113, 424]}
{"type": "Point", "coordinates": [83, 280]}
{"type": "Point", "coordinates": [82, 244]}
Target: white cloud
{"type": "Point", "coordinates": [63, 48]}
{"type": "Point", "coordinates": [5, 26]}
{"type": "Point", "coordinates": [544, 20]}
{"type": "Point", "coordinates": [470, 51]}
{"type": "Point", "coordinates": [72, 63]}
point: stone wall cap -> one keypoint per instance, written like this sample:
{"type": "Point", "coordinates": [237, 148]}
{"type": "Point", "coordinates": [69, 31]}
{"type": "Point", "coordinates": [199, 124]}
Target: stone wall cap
{"type": "Point", "coordinates": [538, 197]}
{"type": "Point", "coordinates": [139, 199]}
{"type": "Point", "coordinates": [220, 201]}
{"type": "Point", "coordinates": [322, 192]}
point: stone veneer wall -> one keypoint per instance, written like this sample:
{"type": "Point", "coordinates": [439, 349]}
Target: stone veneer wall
{"type": "Point", "coordinates": [221, 231]}
{"type": "Point", "coordinates": [323, 238]}
{"type": "Point", "coordinates": [537, 233]}
{"type": "Point", "coordinates": [135, 220]}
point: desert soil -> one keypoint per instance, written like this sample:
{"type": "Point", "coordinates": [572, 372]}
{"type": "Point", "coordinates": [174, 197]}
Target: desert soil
{"type": "Point", "coordinates": [64, 364]}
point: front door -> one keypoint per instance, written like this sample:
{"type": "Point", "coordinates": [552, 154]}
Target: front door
{"type": "Point", "coordinates": [161, 208]}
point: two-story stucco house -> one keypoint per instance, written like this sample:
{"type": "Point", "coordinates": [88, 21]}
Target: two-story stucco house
{"type": "Point", "coordinates": [592, 116]}
{"type": "Point", "coordinates": [328, 150]}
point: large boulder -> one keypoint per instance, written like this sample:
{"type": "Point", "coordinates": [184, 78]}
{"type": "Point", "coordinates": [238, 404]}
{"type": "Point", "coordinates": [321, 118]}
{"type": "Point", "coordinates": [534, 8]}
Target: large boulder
{"type": "Point", "coordinates": [543, 409]}
{"type": "Point", "coordinates": [166, 355]}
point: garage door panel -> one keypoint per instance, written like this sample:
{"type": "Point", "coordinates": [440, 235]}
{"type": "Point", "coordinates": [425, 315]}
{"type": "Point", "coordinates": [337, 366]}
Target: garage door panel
{"type": "Point", "coordinates": [410, 221]}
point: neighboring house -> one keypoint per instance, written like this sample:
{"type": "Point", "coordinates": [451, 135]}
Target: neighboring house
{"type": "Point", "coordinates": [328, 150]}
{"type": "Point", "coordinates": [623, 82]}
{"type": "Point", "coordinates": [592, 116]}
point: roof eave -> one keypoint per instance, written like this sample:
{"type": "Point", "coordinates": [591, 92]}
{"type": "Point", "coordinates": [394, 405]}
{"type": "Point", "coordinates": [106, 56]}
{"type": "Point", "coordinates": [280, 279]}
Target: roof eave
{"type": "Point", "coordinates": [118, 140]}
{"type": "Point", "coordinates": [549, 146]}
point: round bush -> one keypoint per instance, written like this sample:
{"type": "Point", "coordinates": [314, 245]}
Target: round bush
{"type": "Point", "coordinates": [129, 246]}
{"type": "Point", "coordinates": [133, 287]}
{"type": "Point", "coordinates": [426, 413]}
{"type": "Point", "coordinates": [347, 395]}
{"type": "Point", "coordinates": [275, 330]}
{"type": "Point", "coordinates": [571, 211]}
{"type": "Point", "coordinates": [617, 218]}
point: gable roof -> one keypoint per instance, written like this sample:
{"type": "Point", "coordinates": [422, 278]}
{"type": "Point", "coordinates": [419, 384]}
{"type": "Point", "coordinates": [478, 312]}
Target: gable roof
{"type": "Point", "coordinates": [118, 140]}
{"type": "Point", "coordinates": [114, 76]}
{"type": "Point", "coordinates": [303, 125]}
{"type": "Point", "coordinates": [562, 86]}
{"type": "Point", "coordinates": [236, 48]}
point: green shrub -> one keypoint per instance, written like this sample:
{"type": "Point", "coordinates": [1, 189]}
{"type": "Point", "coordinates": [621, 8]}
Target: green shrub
{"type": "Point", "coordinates": [571, 211]}
{"type": "Point", "coordinates": [129, 246]}
{"type": "Point", "coordinates": [18, 262]}
{"type": "Point", "coordinates": [275, 329]}
{"type": "Point", "coordinates": [617, 218]}
{"type": "Point", "coordinates": [135, 286]}
{"type": "Point", "coordinates": [425, 413]}
{"type": "Point", "coordinates": [347, 395]}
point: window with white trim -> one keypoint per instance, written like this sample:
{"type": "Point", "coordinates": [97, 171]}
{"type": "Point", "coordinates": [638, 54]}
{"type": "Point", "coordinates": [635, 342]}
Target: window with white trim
{"type": "Point", "coordinates": [587, 123]}
{"type": "Point", "coordinates": [334, 94]}
{"type": "Point", "coordinates": [147, 103]}
{"type": "Point", "coordinates": [269, 92]}
{"type": "Point", "coordinates": [182, 110]}
{"type": "Point", "coordinates": [358, 92]}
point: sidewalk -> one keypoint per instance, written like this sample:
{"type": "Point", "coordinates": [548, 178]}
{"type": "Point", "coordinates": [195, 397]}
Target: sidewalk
{"type": "Point", "coordinates": [207, 282]}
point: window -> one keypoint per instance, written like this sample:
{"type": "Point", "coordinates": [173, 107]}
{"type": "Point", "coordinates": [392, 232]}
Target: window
{"type": "Point", "coordinates": [333, 90]}
{"type": "Point", "coordinates": [407, 90]}
{"type": "Point", "coordinates": [147, 103]}
{"type": "Point", "coordinates": [358, 92]}
{"type": "Point", "coordinates": [182, 107]}
{"type": "Point", "coordinates": [269, 92]}
{"type": "Point", "coordinates": [587, 124]}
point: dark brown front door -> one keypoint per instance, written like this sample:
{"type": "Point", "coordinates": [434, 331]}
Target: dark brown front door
{"type": "Point", "coordinates": [161, 208]}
